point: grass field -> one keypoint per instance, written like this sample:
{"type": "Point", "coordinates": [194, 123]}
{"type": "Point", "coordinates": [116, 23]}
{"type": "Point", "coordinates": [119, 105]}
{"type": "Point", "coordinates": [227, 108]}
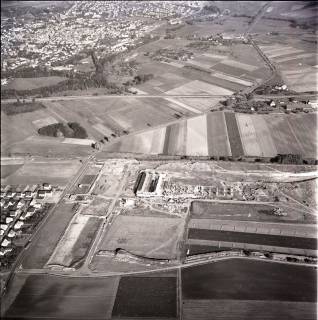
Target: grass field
{"type": "Point", "coordinates": [34, 83]}
{"type": "Point", "coordinates": [51, 171]}
{"type": "Point", "coordinates": [130, 232]}
{"type": "Point", "coordinates": [39, 252]}
{"type": "Point", "coordinates": [44, 296]}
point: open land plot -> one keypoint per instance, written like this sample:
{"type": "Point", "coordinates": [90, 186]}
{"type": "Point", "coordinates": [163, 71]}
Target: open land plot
{"type": "Point", "coordinates": [54, 172]}
{"type": "Point", "coordinates": [44, 122]}
{"type": "Point", "coordinates": [232, 79]}
{"type": "Point", "coordinates": [75, 243]}
{"type": "Point", "coordinates": [239, 65]}
{"type": "Point", "coordinates": [49, 146]}
{"type": "Point", "coordinates": [182, 106]}
{"type": "Point", "coordinates": [254, 238]}
{"type": "Point", "coordinates": [108, 181]}
{"type": "Point", "coordinates": [34, 83]}
{"type": "Point", "coordinates": [146, 297]}
{"type": "Point", "coordinates": [129, 233]}
{"type": "Point", "coordinates": [305, 129]}
{"type": "Point", "coordinates": [248, 135]}
{"type": "Point", "coordinates": [201, 104]}
{"type": "Point", "coordinates": [278, 52]}
{"type": "Point", "coordinates": [7, 170]}
{"type": "Point", "coordinates": [233, 134]}
{"type": "Point", "coordinates": [197, 136]}
{"type": "Point", "coordinates": [82, 142]}
{"type": "Point", "coordinates": [39, 252]}
{"type": "Point", "coordinates": [149, 142]}
{"type": "Point", "coordinates": [282, 134]}
{"type": "Point", "coordinates": [302, 82]}
{"type": "Point", "coordinates": [296, 57]}
{"type": "Point", "coordinates": [45, 296]}
{"type": "Point", "coordinates": [16, 128]}
{"type": "Point", "coordinates": [140, 112]}
{"type": "Point", "coordinates": [168, 81]}
{"type": "Point", "coordinates": [199, 87]}
{"type": "Point", "coordinates": [243, 212]}
{"type": "Point", "coordinates": [264, 136]}
{"type": "Point", "coordinates": [175, 140]}
{"type": "Point", "coordinates": [241, 279]}
{"type": "Point", "coordinates": [217, 138]}
{"type": "Point", "coordinates": [98, 207]}
{"type": "Point", "coordinates": [243, 309]}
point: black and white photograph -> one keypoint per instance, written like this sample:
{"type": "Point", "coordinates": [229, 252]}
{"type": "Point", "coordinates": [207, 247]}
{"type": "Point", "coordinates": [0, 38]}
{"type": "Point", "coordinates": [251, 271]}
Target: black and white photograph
{"type": "Point", "coordinates": [159, 160]}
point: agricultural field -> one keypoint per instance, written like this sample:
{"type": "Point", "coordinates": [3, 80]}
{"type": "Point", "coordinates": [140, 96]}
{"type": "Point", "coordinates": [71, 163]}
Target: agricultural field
{"type": "Point", "coordinates": [146, 297]}
{"type": "Point", "coordinates": [256, 241]}
{"type": "Point", "coordinates": [219, 70]}
{"type": "Point", "coordinates": [111, 117]}
{"type": "Point", "coordinates": [56, 172]}
{"type": "Point", "coordinates": [297, 64]}
{"type": "Point", "coordinates": [50, 147]}
{"type": "Point", "coordinates": [16, 128]}
{"type": "Point", "coordinates": [235, 288]}
{"type": "Point", "coordinates": [64, 298]}
{"type": "Point", "coordinates": [49, 235]}
{"type": "Point", "coordinates": [19, 136]}
{"type": "Point", "coordinates": [129, 233]}
{"type": "Point", "coordinates": [20, 84]}
{"type": "Point", "coordinates": [228, 134]}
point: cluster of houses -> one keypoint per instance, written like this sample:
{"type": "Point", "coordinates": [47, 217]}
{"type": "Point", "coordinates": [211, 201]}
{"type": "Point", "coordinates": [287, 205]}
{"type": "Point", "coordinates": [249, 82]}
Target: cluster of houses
{"type": "Point", "coordinates": [17, 206]}
{"type": "Point", "coordinates": [49, 40]}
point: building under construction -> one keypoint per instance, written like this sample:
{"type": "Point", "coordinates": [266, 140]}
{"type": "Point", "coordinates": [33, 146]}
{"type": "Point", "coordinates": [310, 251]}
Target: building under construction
{"type": "Point", "coordinates": [148, 184]}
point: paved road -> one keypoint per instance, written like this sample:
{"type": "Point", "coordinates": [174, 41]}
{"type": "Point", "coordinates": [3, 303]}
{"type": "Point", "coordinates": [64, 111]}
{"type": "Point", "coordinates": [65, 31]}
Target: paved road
{"type": "Point", "coordinates": [141, 96]}
{"type": "Point", "coordinates": [257, 17]}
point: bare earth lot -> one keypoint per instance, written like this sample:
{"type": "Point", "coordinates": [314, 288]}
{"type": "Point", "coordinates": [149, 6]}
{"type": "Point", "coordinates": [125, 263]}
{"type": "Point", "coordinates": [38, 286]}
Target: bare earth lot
{"type": "Point", "coordinates": [130, 232]}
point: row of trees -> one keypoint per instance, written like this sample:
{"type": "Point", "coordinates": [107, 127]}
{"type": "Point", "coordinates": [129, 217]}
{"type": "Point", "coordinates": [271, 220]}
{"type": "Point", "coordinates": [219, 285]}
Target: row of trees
{"type": "Point", "coordinates": [20, 107]}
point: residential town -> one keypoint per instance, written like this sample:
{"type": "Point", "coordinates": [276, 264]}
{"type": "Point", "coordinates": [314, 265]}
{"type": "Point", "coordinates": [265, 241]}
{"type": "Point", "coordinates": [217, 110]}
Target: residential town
{"type": "Point", "coordinates": [52, 39]}
{"type": "Point", "coordinates": [18, 205]}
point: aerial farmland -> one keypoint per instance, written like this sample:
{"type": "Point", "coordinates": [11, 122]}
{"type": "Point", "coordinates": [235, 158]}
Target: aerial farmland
{"type": "Point", "coordinates": [228, 134]}
{"type": "Point", "coordinates": [159, 160]}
